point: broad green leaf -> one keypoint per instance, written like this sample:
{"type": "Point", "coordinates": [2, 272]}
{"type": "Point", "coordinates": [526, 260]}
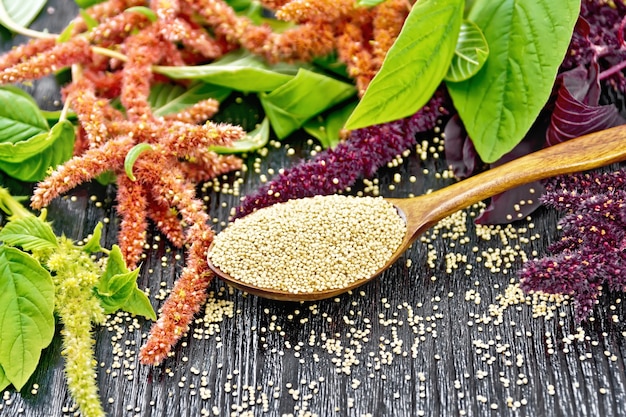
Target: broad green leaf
{"type": "Point", "coordinates": [172, 98]}
{"type": "Point", "coordinates": [139, 304]}
{"type": "Point", "coordinates": [527, 42]}
{"type": "Point", "coordinates": [241, 109]}
{"type": "Point", "coordinates": [25, 149]}
{"type": "Point", "coordinates": [240, 5]}
{"type": "Point", "coordinates": [93, 244]}
{"type": "Point", "coordinates": [414, 66]}
{"type": "Point", "coordinates": [255, 11]}
{"type": "Point", "coordinates": [30, 233]}
{"type": "Point", "coordinates": [251, 9]}
{"type": "Point", "coordinates": [238, 70]}
{"type": "Point", "coordinates": [470, 54]}
{"type": "Point", "coordinates": [54, 116]}
{"type": "Point", "coordinates": [4, 381]}
{"type": "Point", "coordinates": [306, 95]}
{"type": "Point", "coordinates": [255, 139]}
{"type": "Point", "coordinates": [20, 118]}
{"type": "Point", "coordinates": [331, 64]}
{"type": "Point", "coordinates": [57, 146]}
{"type": "Point", "coordinates": [26, 314]}
{"type": "Point", "coordinates": [326, 128]}
{"type": "Point", "coordinates": [23, 12]}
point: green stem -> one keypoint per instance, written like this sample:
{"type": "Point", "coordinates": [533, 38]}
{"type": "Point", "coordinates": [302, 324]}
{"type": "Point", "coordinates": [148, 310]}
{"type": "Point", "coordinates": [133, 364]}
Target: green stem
{"type": "Point", "coordinates": [110, 53]}
{"type": "Point", "coordinates": [15, 27]}
{"type": "Point", "coordinates": [10, 205]}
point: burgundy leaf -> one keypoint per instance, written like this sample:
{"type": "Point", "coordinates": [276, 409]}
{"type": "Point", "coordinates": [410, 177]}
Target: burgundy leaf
{"type": "Point", "coordinates": [576, 111]}
{"type": "Point", "coordinates": [460, 152]}
{"type": "Point", "coordinates": [519, 202]}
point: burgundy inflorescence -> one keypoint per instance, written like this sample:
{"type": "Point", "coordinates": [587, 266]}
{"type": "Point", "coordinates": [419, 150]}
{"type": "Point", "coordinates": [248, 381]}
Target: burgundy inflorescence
{"type": "Point", "coordinates": [361, 155]}
{"type": "Point", "coordinates": [599, 37]}
{"type": "Point", "coordinates": [592, 250]}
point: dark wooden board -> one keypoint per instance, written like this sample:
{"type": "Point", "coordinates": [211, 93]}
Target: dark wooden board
{"type": "Point", "coordinates": [422, 345]}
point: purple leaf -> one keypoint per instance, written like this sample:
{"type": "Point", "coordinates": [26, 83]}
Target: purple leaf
{"type": "Point", "coordinates": [512, 205]}
{"type": "Point", "coordinates": [519, 202]}
{"type": "Point", "coordinates": [576, 111]}
{"type": "Point", "coordinates": [460, 152]}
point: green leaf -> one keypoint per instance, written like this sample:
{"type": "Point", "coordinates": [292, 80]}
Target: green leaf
{"type": "Point", "coordinates": [93, 244]}
{"type": "Point", "coordinates": [89, 21]}
{"type": "Point", "coordinates": [83, 4]}
{"type": "Point", "coordinates": [331, 64]}
{"type": "Point", "coordinates": [305, 96]}
{"type": "Point", "coordinates": [146, 11]}
{"type": "Point", "coordinates": [20, 118]}
{"type": "Point", "coordinates": [106, 178]}
{"type": "Point", "coordinates": [4, 381]}
{"type": "Point", "coordinates": [116, 283]}
{"type": "Point", "coordinates": [25, 149]}
{"type": "Point", "coordinates": [117, 290]}
{"type": "Point", "coordinates": [139, 304]}
{"type": "Point", "coordinates": [172, 98]}
{"type": "Point", "coordinates": [238, 70]}
{"type": "Point", "coordinates": [132, 156]}
{"type": "Point", "coordinates": [55, 116]}
{"type": "Point", "coordinates": [414, 66]}
{"type": "Point", "coordinates": [527, 42]}
{"type": "Point", "coordinates": [470, 54]}
{"type": "Point", "coordinates": [240, 5]}
{"type": "Point", "coordinates": [23, 12]}
{"type": "Point", "coordinates": [13, 206]}
{"type": "Point", "coordinates": [369, 3]}
{"type": "Point", "coordinates": [26, 314]}
{"type": "Point", "coordinates": [255, 139]}
{"type": "Point", "coordinates": [30, 233]}
{"type": "Point", "coordinates": [66, 34]}
{"type": "Point", "coordinates": [47, 150]}
{"type": "Point", "coordinates": [326, 128]}
{"type": "Point", "coordinates": [255, 11]}
{"type": "Point", "coordinates": [115, 264]}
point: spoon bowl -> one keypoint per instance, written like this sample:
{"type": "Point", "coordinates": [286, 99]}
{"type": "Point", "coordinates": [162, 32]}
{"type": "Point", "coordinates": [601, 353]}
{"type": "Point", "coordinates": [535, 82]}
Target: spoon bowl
{"type": "Point", "coordinates": [420, 213]}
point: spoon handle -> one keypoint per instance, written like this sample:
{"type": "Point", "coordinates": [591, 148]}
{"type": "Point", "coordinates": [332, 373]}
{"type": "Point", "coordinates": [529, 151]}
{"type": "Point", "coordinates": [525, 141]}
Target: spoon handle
{"type": "Point", "coordinates": [590, 151]}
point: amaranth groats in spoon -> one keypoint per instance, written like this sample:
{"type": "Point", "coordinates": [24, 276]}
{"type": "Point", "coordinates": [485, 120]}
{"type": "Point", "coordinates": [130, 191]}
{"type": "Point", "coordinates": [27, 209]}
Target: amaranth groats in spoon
{"type": "Point", "coordinates": [262, 253]}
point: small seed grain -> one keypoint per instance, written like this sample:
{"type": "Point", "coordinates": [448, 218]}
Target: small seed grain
{"type": "Point", "coordinates": [310, 244]}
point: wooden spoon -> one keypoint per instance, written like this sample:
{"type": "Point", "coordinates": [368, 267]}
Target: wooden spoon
{"type": "Point", "coordinates": [420, 213]}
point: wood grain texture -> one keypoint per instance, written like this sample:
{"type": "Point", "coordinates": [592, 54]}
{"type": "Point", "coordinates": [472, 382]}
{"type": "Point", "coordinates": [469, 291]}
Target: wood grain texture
{"type": "Point", "coordinates": [423, 345]}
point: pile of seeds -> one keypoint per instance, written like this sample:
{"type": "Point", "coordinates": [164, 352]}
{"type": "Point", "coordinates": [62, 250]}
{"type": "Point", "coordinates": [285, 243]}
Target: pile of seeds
{"type": "Point", "coordinates": [310, 244]}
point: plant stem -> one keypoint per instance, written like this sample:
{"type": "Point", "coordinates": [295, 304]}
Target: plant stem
{"type": "Point", "coordinates": [613, 70]}
{"type": "Point", "coordinates": [15, 27]}
{"type": "Point", "coordinates": [110, 53]}
{"type": "Point", "coordinates": [11, 206]}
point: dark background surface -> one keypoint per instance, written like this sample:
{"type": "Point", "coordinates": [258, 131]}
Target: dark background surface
{"type": "Point", "coordinates": [418, 341]}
